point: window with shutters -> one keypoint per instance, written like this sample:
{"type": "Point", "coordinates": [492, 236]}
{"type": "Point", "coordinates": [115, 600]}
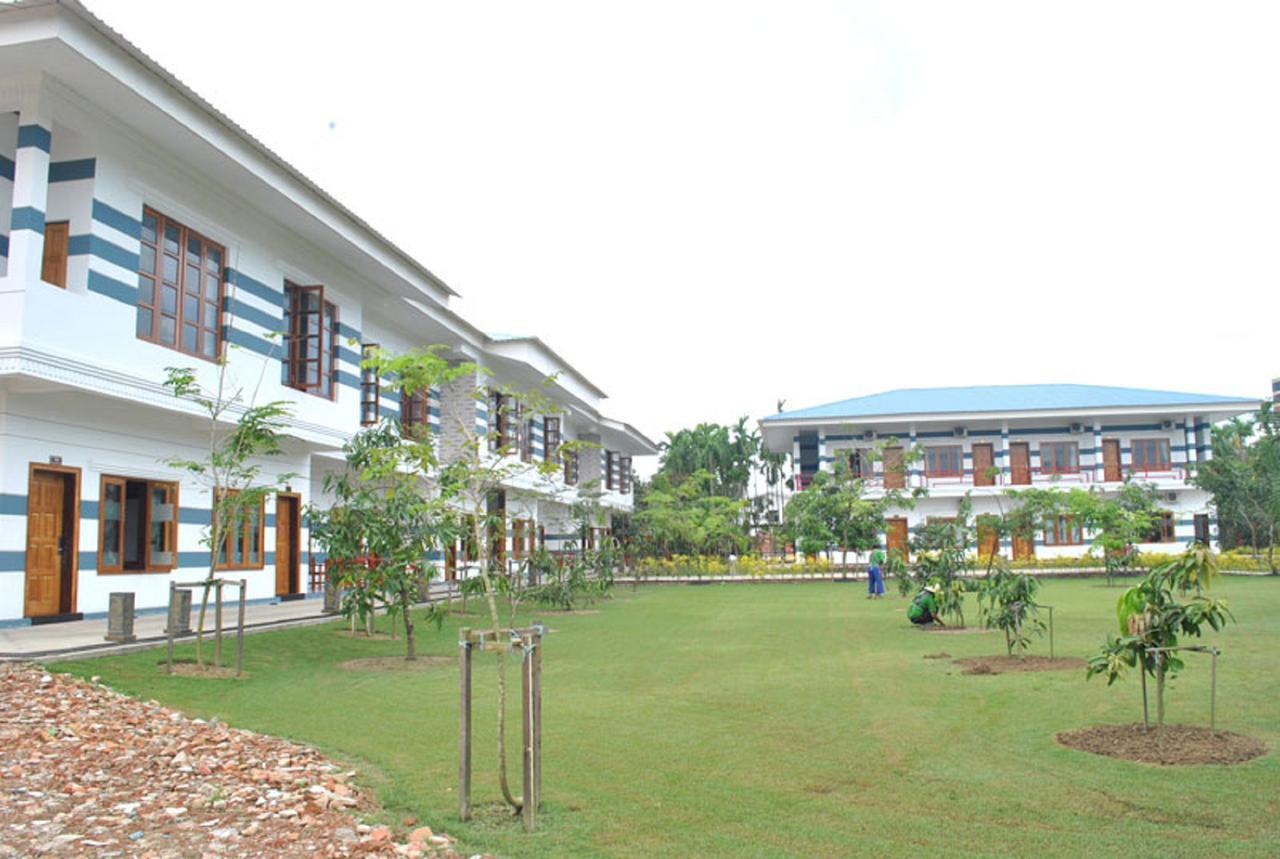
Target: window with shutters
{"type": "Point", "coordinates": [370, 386]}
{"type": "Point", "coordinates": [53, 268]}
{"type": "Point", "coordinates": [137, 526]}
{"type": "Point", "coordinates": [610, 470]}
{"type": "Point", "coordinates": [624, 474]}
{"type": "Point", "coordinates": [179, 288]}
{"type": "Point", "coordinates": [414, 411]}
{"type": "Point", "coordinates": [551, 439]}
{"type": "Point", "coordinates": [313, 326]}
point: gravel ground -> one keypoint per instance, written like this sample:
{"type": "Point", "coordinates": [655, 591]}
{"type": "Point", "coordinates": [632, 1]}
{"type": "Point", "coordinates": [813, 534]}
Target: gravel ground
{"type": "Point", "coordinates": [86, 771]}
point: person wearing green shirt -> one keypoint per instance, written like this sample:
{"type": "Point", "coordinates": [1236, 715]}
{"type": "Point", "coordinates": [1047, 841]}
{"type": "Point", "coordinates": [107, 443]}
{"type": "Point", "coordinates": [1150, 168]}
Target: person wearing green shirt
{"type": "Point", "coordinates": [924, 608]}
{"type": "Point", "coordinates": [875, 575]}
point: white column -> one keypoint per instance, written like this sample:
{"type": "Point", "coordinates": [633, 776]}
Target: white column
{"type": "Point", "coordinates": [1004, 452]}
{"type": "Point", "coordinates": [1099, 467]}
{"type": "Point", "coordinates": [30, 195]}
{"type": "Point", "coordinates": [1189, 441]}
{"type": "Point", "coordinates": [915, 477]}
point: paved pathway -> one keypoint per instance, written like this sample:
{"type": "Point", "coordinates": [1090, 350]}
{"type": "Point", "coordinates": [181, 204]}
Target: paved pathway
{"type": "Point", "coordinates": [51, 641]}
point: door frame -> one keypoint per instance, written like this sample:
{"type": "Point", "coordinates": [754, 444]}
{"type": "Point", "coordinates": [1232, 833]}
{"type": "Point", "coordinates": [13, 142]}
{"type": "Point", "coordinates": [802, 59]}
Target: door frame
{"type": "Point", "coordinates": [295, 543]}
{"type": "Point", "coordinates": [1113, 443]}
{"type": "Point", "coordinates": [1023, 445]}
{"type": "Point", "coordinates": [73, 516]}
{"type": "Point", "coordinates": [891, 523]}
{"type": "Point", "coordinates": [980, 478]}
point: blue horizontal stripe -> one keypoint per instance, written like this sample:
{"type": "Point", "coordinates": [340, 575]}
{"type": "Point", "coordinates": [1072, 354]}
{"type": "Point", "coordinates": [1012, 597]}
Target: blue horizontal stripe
{"type": "Point", "coordinates": [345, 330]}
{"type": "Point", "coordinates": [88, 509]}
{"type": "Point", "coordinates": [4, 245]}
{"type": "Point", "coordinates": [102, 249]}
{"type": "Point", "coordinates": [112, 288]}
{"type": "Point", "coordinates": [248, 341]}
{"type": "Point", "coordinates": [249, 313]}
{"type": "Point", "coordinates": [6, 167]}
{"type": "Point", "coordinates": [13, 562]}
{"type": "Point", "coordinates": [349, 379]}
{"type": "Point", "coordinates": [70, 171]}
{"type": "Point", "coordinates": [35, 135]}
{"type": "Point", "coordinates": [345, 354]}
{"type": "Point", "coordinates": [116, 219]}
{"type": "Point", "coordinates": [389, 412]}
{"type": "Point", "coordinates": [27, 218]}
{"type": "Point", "coordinates": [13, 505]}
{"type": "Point", "coordinates": [254, 287]}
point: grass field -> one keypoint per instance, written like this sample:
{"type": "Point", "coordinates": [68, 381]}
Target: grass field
{"type": "Point", "coordinates": [779, 720]}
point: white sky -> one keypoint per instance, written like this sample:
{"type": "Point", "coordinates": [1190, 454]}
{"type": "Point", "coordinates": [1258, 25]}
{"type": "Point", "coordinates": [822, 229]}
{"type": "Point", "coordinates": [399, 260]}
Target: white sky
{"type": "Point", "coordinates": [709, 206]}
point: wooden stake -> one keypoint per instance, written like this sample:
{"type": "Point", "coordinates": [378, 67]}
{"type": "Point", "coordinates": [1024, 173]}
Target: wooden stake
{"type": "Point", "coordinates": [1146, 718]}
{"type": "Point", "coordinates": [537, 713]}
{"type": "Point", "coordinates": [528, 810]}
{"type": "Point", "coordinates": [240, 629]}
{"type": "Point", "coordinates": [173, 593]}
{"type": "Point", "coordinates": [217, 621]}
{"type": "Point", "coordinates": [464, 724]}
{"type": "Point", "coordinates": [1050, 633]}
{"type": "Point", "coordinates": [1213, 689]}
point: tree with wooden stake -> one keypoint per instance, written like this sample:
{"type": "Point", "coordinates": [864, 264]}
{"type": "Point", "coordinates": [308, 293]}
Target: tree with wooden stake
{"type": "Point", "coordinates": [1152, 619]}
{"type": "Point", "coordinates": [1006, 601]}
{"type": "Point", "coordinates": [1118, 522]}
{"type": "Point", "coordinates": [241, 435]}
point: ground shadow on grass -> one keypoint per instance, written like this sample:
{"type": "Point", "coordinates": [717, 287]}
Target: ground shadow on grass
{"type": "Point", "coordinates": [1181, 744]}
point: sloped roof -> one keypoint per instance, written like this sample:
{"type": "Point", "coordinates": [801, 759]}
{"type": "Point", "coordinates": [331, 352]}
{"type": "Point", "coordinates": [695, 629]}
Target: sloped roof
{"type": "Point", "coordinates": [1000, 398]}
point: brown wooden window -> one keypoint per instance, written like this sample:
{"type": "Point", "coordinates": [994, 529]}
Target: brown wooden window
{"type": "Point", "coordinates": [860, 463]}
{"type": "Point", "coordinates": [610, 470]}
{"type": "Point", "coordinates": [1150, 454]}
{"type": "Point", "coordinates": [470, 551]}
{"type": "Point", "coordinates": [53, 268]}
{"type": "Point", "coordinates": [179, 287]}
{"type": "Point", "coordinates": [504, 422]}
{"type": "Point", "coordinates": [1059, 457]}
{"type": "Point", "coordinates": [370, 386]}
{"type": "Point", "coordinates": [895, 472]}
{"type": "Point", "coordinates": [526, 440]}
{"type": "Point", "coordinates": [523, 538]}
{"type": "Point", "coordinates": [944, 461]}
{"type": "Point", "coordinates": [1203, 534]}
{"type": "Point", "coordinates": [241, 547]}
{"type": "Point", "coordinates": [571, 468]}
{"type": "Point", "coordinates": [137, 526]}
{"type": "Point", "coordinates": [1063, 531]}
{"type": "Point", "coordinates": [1161, 529]}
{"type": "Point", "coordinates": [624, 474]}
{"type": "Point", "coordinates": [313, 326]}
{"type": "Point", "coordinates": [551, 439]}
{"type": "Point", "coordinates": [413, 414]}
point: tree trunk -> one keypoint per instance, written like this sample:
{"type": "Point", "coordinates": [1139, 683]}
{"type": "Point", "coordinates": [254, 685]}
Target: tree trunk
{"type": "Point", "coordinates": [1146, 717]}
{"type": "Point", "coordinates": [1160, 698]}
{"type": "Point", "coordinates": [204, 608]}
{"type": "Point", "coordinates": [405, 605]}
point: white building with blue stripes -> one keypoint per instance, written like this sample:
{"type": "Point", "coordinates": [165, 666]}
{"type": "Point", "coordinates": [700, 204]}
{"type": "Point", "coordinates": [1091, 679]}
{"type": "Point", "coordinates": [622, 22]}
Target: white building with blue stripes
{"type": "Point", "coordinates": [982, 441]}
{"type": "Point", "coordinates": [141, 229]}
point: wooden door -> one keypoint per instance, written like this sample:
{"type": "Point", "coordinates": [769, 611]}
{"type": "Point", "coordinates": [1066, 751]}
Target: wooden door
{"type": "Point", "coordinates": [1024, 548]}
{"type": "Point", "coordinates": [1020, 463]}
{"type": "Point", "coordinates": [287, 536]}
{"type": "Point", "coordinates": [1111, 460]}
{"type": "Point", "coordinates": [983, 460]}
{"type": "Point", "coordinates": [51, 549]}
{"type": "Point", "coordinates": [896, 537]}
{"type": "Point", "coordinates": [895, 476]}
{"type": "Point", "coordinates": [988, 542]}
{"type": "Point", "coordinates": [451, 562]}
{"type": "Point", "coordinates": [53, 267]}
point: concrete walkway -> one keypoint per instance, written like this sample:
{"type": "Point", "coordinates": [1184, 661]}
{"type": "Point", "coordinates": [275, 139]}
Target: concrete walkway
{"type": "Point", "coordinates": [53, 641]}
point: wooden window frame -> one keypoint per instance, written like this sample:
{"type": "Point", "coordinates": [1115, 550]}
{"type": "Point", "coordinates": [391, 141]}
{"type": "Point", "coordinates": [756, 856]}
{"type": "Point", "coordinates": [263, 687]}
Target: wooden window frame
{"type": "Point", "coordinates": [1165, 528]}
{"type": "Point", "coordinates": [370, 388]}
{"type": "Point", "coordinates": [551, 440]}
{"type": "Point", "coordinates": [571, 468]}
{"type": "Point", "coordinates": [1053, 446]}
{"type": "Point", "coordinates": [470, 551]}
{"type": "Point", "coordinates": [244, 542]}
{"type": "Point", "coordinates": [1203, 528]}
{"type": "Point", "coordinates": [156, 278]}
{"type": "Point", "coordinates": [1063, 531]}
{"type": "Point", "coordinates": [53, 261]}
{"type": "Point", "coordinates": [624, 474]}
{"type": "Point", "coordinates": [172, 526]}
{"type": "Point", "coordinates": [305, 348]}
{"type": "Point", "coordinates": [610, 465]}
{"type": "Point", "coordinates": [415, 411]}
{"type": "Point", "coordinates": [1161, 444]}
{"type": "Point", "coordinates": [929, 450]}
{"type": "Point", "coordinates": [860, 463]}
{"type": "Point", "coordinates": [526, 440]}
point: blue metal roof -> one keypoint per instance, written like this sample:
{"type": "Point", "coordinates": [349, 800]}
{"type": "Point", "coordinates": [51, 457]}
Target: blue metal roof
{"type": "Point", "coordinates": [1000, 398]}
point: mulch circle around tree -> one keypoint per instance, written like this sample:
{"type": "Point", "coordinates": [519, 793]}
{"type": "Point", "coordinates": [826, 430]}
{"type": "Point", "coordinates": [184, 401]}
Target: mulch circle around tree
{"type": "Point", "coordinates": [941, 655]}
{"type": "Point", "coordinates": [954, 630]}
{"type": "Point", "coordinates": [1010, 664]}
{"type": "Point", "coordinates": [364, 636]}
{"type": "Point", "coordinates": [1182, 744]}
{"type": "Point", "coordinates": [188, 668]}
{"type": "Point", "coordinates": [396, 663]}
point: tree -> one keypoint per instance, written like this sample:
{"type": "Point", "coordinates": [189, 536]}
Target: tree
{"type": "Point", "coordinates": [1117, 522]}
{"type": "Point", "coordinates": [940, 556]}
{"type": "Point", "coordinates": [231, 468]}
{"type": "Point", "coordinates": [1244, 479]}
{"type": "Point", "coordinates": [689, 517]}
{"type": "Point", "coordinates": [728, 454]}
{"type": "Point", "coordinates": [1007, 601]}
{"type": "Point", "coordinates": [1152, 619]}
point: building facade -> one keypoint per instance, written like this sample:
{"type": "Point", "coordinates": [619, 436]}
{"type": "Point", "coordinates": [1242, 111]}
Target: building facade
{"type": "Point", "coordinates": [980, 442]}
{"type": "Point", "coordinates": [140, 229]}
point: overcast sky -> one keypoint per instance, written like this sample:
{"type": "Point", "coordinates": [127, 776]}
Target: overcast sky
{"type": "Point", "coordinates": [710, 206]}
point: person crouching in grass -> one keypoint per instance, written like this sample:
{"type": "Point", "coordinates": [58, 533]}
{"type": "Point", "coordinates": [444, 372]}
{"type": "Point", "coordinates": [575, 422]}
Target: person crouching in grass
{"type": "Point", "coordinates": [923, 610]}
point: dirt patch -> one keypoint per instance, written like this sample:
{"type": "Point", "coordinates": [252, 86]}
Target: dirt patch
{"type": "Point", "coordinates": [190, 669]}
{"type": "Point", "coordinates": [953, 630]}
{"type": "Point", "coordinates": [395, 663]}
{"type": "Point", "coordinates": [1182, 744]}
{"type": "Point", "coordinates": [377, 636]}
{"type": "Point", "coordinates": [940, 655]}
{"type": "Point", "coordinates": [1010, 664]}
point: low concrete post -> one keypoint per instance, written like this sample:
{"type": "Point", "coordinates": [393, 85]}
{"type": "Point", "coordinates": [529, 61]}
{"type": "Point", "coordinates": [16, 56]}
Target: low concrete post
{"type": "Point", "coordinates": [120, 618]}
{"type": "Point", "coordinates": [179, 620]}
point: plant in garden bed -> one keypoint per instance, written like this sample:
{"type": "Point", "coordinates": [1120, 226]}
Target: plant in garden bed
{"type": "Point", "coordinates": [1007, 601]}
{"type": "Point", "coordinates": [1117, 523]}
{"type": "Point", "coordinates": [1152, 619]}
{"type": "Point", "coordinates": [940, 558]}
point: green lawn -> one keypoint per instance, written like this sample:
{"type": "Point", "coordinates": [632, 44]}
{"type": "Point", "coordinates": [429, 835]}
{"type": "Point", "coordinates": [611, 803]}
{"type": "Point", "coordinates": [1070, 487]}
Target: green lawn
{"type": "Point", "coordinates": [779, 720]}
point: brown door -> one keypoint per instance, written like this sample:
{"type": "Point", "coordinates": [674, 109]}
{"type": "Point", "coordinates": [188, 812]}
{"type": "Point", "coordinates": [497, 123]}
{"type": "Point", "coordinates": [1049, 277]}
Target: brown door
{"type": "Point", "coordinates": [287, 536]}
{"type": "Point", "coordinates": [895, 531]}
{"type": "Point", "coordinates": [53, 267]}
{"type": "Point", "coordinates": [51, 549]}
{"type": "Point", "coordinates": [1020, 463]}
{"type": "Point", "coordinates": [1111, 459]}
{"type": "Point", "coordinates": [451, 562]}
{"type": "Point", "coordinates": [1024, 548]}
{"type": "Point", "coordinates": [983, 460]}
{"type": "Point", "coordinates": [895, 476]}
{"type": "Point", "coordinates": [988, 542]}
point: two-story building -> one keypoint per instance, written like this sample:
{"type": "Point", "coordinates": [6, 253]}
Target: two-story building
{"type": "Point", "coordinates": [980, 442]}
{"type": "Point", "coordinates": [142, 229]}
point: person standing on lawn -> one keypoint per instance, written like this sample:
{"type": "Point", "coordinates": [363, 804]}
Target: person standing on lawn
{"type": "Point", "coordinates": [924, 608]}
{"type": "Point", "coordinates": [875, 575]}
